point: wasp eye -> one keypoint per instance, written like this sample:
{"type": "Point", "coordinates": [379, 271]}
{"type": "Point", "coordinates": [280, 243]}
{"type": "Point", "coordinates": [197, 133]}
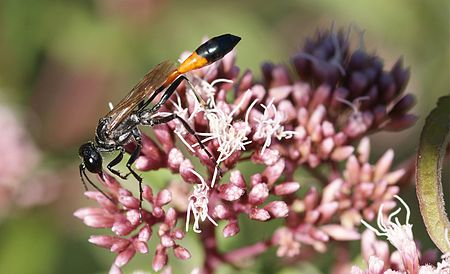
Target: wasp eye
{"type": "Point", "coordinates": [92, 159]}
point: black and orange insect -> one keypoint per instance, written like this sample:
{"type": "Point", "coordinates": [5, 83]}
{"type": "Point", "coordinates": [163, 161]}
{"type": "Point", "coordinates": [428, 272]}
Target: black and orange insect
{"type": "Point", "coordinates": [120, 126]}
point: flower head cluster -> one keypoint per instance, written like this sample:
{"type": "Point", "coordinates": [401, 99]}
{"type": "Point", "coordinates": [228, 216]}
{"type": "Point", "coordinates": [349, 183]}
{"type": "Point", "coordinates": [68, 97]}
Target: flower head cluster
{"type": "Point", "coordinates": [131, 225]}
{"type": "Point", "coordinates": [406, 258]}
{"type": "Point", "coordinates": [281, 125]}
{"type": "Point", "coordinates": [19, 183]}
{"type": "Point", "coordinates": [335, 212]}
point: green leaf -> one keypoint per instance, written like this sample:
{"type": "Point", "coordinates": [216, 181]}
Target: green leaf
{"type": "Point", "coordinates": [433, 143]}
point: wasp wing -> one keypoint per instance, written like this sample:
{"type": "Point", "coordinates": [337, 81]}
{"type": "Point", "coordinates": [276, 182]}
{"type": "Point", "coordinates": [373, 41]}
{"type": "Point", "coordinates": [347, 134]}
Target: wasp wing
{"type": "Point", "coordinates": [151, 81]}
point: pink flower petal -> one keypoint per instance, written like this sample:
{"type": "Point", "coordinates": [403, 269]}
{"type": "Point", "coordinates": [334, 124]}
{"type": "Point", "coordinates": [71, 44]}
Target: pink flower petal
{"type": "Point", "coordinates": [164, 197]}
{"type": "Point", "coordinates": [258, 194]}
{"type": "Point", "coordinates": [230, 192]}
{"type": "Point", "coordinates": [181, 253]}
{"type": "Point", "coordinates": [125, 256]}
{"type": "Point", "coordinates": [160, 259]}
{"type": "Point", "coordinates": [231, 229]}
{"type": "Point", "coordinates": [222, 212]}
{"type": "Point", "coordinates": [286, 188]}
{"type": "Point", "coordinates": [259, 214]}
{"type": "Point", "coordinates": [277, 209]}
{"type": "Point", "coordinates": [340, 233]}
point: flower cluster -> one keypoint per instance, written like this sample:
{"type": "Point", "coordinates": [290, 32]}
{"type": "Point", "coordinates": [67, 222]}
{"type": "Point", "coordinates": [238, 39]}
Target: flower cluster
{"type": "Point", "coordinates": [19, 183]}
{"type": "Point", "coordinates": [280, 125]}
{"type": "Point", "coordinates": [406, 258]}
{"type": "Point", "coordinates": [336, 211]}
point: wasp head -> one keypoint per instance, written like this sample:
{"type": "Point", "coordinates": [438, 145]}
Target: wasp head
{"type": "Point", "coordinates": [92, 159]}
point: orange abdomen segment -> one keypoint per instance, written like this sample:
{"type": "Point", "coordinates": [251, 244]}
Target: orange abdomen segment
{"type": "Point", "coordinates": [194, 61]}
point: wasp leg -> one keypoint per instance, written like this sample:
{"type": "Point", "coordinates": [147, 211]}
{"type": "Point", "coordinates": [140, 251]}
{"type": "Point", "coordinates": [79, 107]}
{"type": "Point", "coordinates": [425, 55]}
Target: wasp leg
{"type": "Point", "coordinates": [134, 156]}
{"type": "Point", "coordinates": [166, 119]}
{"type": "Point", "coordinates": [168, 93]}
{"type": "Point", "coordinates": [84, 175]}
{"type": "Point", "coordinates": [116, 161]}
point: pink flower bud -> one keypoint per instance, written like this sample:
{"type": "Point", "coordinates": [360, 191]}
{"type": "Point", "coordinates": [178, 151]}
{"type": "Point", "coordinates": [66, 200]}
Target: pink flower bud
{"type": "Point", "coordinates": [303, 116]}
{"type": "Point", "coordinates": [100, 198]}
{"type": "Point", "coordinates": [277, 209]}
{"type": "Point", "coordinates": [164, 135]}
{"type": "Point", "coordinates": [129, 201]}
{"type": "Point", "coordinates": [259, 214]}
{"type": "Point", "coordinates": [356, 270]}
{"type": "Point", "coordinates": [376, 265]}
{"type": "Point", "coordinates": [316, 118]}
{"type": "Point", "coordinates": [141, 247]}
{"type": "Point", "coordinates": [321, 95]}
{"type": "Point", "coordinates": [394, 176]}
{"type": "Point", "coordinates": [120, 245]}
{"type": "Point", "coordinates": [311, 198]}
{"type": "Point", "coordinates": [174, 159]}
{"type": "Point", "coordinates": [152, 152]}
{"type": "Point", "coordinates": [272, 173]}
{"type": "Point", "coordinates": [352, 170]}
{"type": "Point", "coordinates": [319, 235]}
{"type": "Point", "coordinates": [340, 233]}
{"type": "Point", "coordinates": [160, 259]}
{"type": "Point", "coordinates": [328, 129]}
{"type": "Point", "coordinates": [178, 234]}
{"type": "Point", "coordinates": [286, 188]}
{"type": "Point", "coordinates": [181, 253]}
{"type": "Point", "coordinates": [110, 182]}
{"type": "Point", "coordinates": [122, 228]}
{"type": "Point", "coordinates": [230, 192]}
{"type": "Point", "coordinates": [237, 179]}
{"type": "Point", "coordinates": [340, 138]}
{"type": "Point", "coordinates": [328, 210]}
{"type": "Point", "coordinates": [133, 216]}
{"type": "Point", "coordinates": [167, 241]}
{"type": "Point", "coordinates": [312, 216]}
{"type": "Point", "coordinates": [332, 190]}
{"type": "Point", "coordinates": [268, 158]}
{"type": "Point", "coordinates": [158, 212]}
{"type": "Point", "coordinates": [366, 173]}
{"type": "Point", "coordinates": [364, 150]}
{"type": "Point", "coordinates": [231, 229]}
{"type": "Point", "coordinates": [147, 193]}
{"type": "Point", "coordinates": [88, 211]}
{"type": "Point", "coordinates": [145, 163]}
{"type": "Point", "coordinates": [103, 241]}
{"type": "Point", "coordinates": [164, 197]}
{"type": "Point", "coordinates": [255, 179]}
{"type": "Point", "coordinates": [185, 172]}
{"type": "Point", "coordinates": [258, 194]}
{"type": "Point", "coordinates": [326, 146]}
{"type": "Point", "coordinates": [316, 134]}
{"type": "Point", "coordinates": [171, 217]}
{"type": "Point", "coordinates": [98, 221]}
{"type": "Point", "coordinates": [115, 269]}
{"type": "Point", "coordinates": [125, 256]}
{"type": "Point", "coordinates": [279, 93]}
{"type": "Point", "coordinates": [145, 233]}
{"type": "Point", "coordinates": [383, 165]}
{"type": "Point", "coordinates": [342, 153]}
{"type": "Point", "coordinates": [222, 212]}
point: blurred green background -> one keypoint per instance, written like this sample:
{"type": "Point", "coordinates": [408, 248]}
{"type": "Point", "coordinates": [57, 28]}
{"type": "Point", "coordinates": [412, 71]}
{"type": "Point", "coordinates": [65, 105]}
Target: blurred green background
{"type": "Point", "coordinates": [61, 62]}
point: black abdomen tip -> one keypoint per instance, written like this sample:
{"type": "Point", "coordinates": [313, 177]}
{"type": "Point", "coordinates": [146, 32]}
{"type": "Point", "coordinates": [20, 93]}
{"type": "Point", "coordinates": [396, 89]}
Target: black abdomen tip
{"type": "Point", "coordinates": [217, 47]}
{"type": "Point", "coordinates": [228, 40]}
